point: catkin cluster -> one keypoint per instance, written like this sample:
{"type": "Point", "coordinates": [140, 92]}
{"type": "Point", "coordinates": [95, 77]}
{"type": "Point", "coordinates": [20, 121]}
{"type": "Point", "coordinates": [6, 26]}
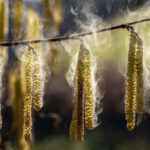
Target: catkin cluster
{"type": "Point", "coordinates": [31, 73]}
{"type": "Point", "coordinates": [134, 83]}
{"type": "Point", "coordinates": [33, 92]}
{"type": "Point", "coordinates": [84, 99]}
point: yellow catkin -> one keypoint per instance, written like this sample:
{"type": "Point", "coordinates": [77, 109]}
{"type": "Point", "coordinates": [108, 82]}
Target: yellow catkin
{"type": "Point", "coordinates": [33, 26]}
{"type": "Point", "coordinates": [16, 97]}
{"type": "Point", "coordinates": [3, 61]}
{"type": "Point", "coordinates": [47, 16]}
{"type": "Point", "coordinates": [2, 17]}
{"type": "Point", "coordinates": [77, 123]}
{"type": "Point", "coordinates": [28, 144]}
{"type": "Point", "coordinates": [80, 96]}
{"type": "Point", "coordinates": [89, 105]}
{"type": "Point", "coordinates": [139, 77]}
{"type": "Point", "coordinates": [130, 103]}
{"type": "Point", "coordinates": [1, 39]}
{"type": "Point", "coordinates": [73, 125]}
{"type": "Point", "coordinates": [28, 95]}
{"type": "Point", "coordinates": [37, 91]}
{"type": "Point", "coordinates": [3, 51]}
{"type": "Point", "coordinates": [53, 12]}
{"type": "Point", "coordinates": [18, 9]}
{"type": "Point", "coordinates": [57, 14]}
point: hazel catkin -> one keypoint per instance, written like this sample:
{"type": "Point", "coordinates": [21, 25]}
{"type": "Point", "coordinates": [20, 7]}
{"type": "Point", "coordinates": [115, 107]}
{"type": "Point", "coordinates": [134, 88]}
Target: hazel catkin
{"type": "Point", "coordinates": [89, 104]}
{"type": "Point", "coordinates": [2, 19]}
{"type": "Point", "coordinates": [80, 97]}
{"type": "Point", "coordinates": [139, 77]}
{"type": "Point", "coordinates": [130, 102]}
{"type": "Point", "coordinates": [77, 123]}
{"type": "Point", "coordinates": [84, 98]}
{"type": "Point", "coordinates": [28, 95]}
{"type": "Point", "coordinates": [17, 10]}
{"type": "Point", "coordinates": [73, 125]}
{"type": "Point", "coordinates": [37, 91]}
{"type": "Point", "coordinates": [3, 51]}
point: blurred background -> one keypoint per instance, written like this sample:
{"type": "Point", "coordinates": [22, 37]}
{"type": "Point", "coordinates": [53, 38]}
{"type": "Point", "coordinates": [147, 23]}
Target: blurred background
{"type": "Point", "coordinates": [40, 19]}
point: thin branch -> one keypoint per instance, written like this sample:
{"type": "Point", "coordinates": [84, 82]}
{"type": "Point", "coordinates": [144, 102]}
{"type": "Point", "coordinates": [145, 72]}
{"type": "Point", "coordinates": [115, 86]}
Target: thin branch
{"type": "Point", "coordinates": [73, 37]}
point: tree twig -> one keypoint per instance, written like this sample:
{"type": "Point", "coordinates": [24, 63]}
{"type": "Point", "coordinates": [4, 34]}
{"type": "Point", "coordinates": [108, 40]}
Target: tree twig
{"type": "Point", "coordinates": [73, 37]}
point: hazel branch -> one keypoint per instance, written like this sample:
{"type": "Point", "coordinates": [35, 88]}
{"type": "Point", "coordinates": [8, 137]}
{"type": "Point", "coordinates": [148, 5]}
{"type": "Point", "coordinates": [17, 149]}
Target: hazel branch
{"type": "Point", "coordinates": [73, 37]}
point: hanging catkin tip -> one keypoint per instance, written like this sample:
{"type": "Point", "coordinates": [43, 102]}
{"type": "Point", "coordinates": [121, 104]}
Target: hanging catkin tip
{"type": "Point", "coordinates": [130, 126]}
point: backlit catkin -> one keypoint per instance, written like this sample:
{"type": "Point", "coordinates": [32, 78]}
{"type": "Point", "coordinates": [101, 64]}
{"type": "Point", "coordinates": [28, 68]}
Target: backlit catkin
{"type": "Point", "coordinates": [37, 91]}
{"type": "Point", "coordinates": [16, 97]}
{"type": "Point", "coordinates": [139, 77]}
{"type": "Point", "coordinates": [3, 51]}
{"type": "Point", "coordinates": [77, 123]}
{"type": "Point", "coordinates": [33, 26]}
{"type": "Point", "coordinates": [3, 59]}
{"type": "Point", "coordinates": [73, 125]}
{"type": "Point", "coordinates": [2, 17]}
{"type": "Point", "coordinates": [46, 17]}
{"type": "Point", "coordinates": [17, 9]}
{"type": "Point", "coordinates": [27, 130]}
{"type": "Point", "coordinates": [130, 102]}
{"type": "Point", "coordinates": [89, 105]}
{"type": "Point", "coordinates": [52, 16]}
{"type": "Point", "coordinates": [57, 14]}
{"type": "Point", "coordinates": [80, 98]}
{"type": "Point", "coordinates": [1, 39]}
{"type": "Point", "coordinates": [84, 98]}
